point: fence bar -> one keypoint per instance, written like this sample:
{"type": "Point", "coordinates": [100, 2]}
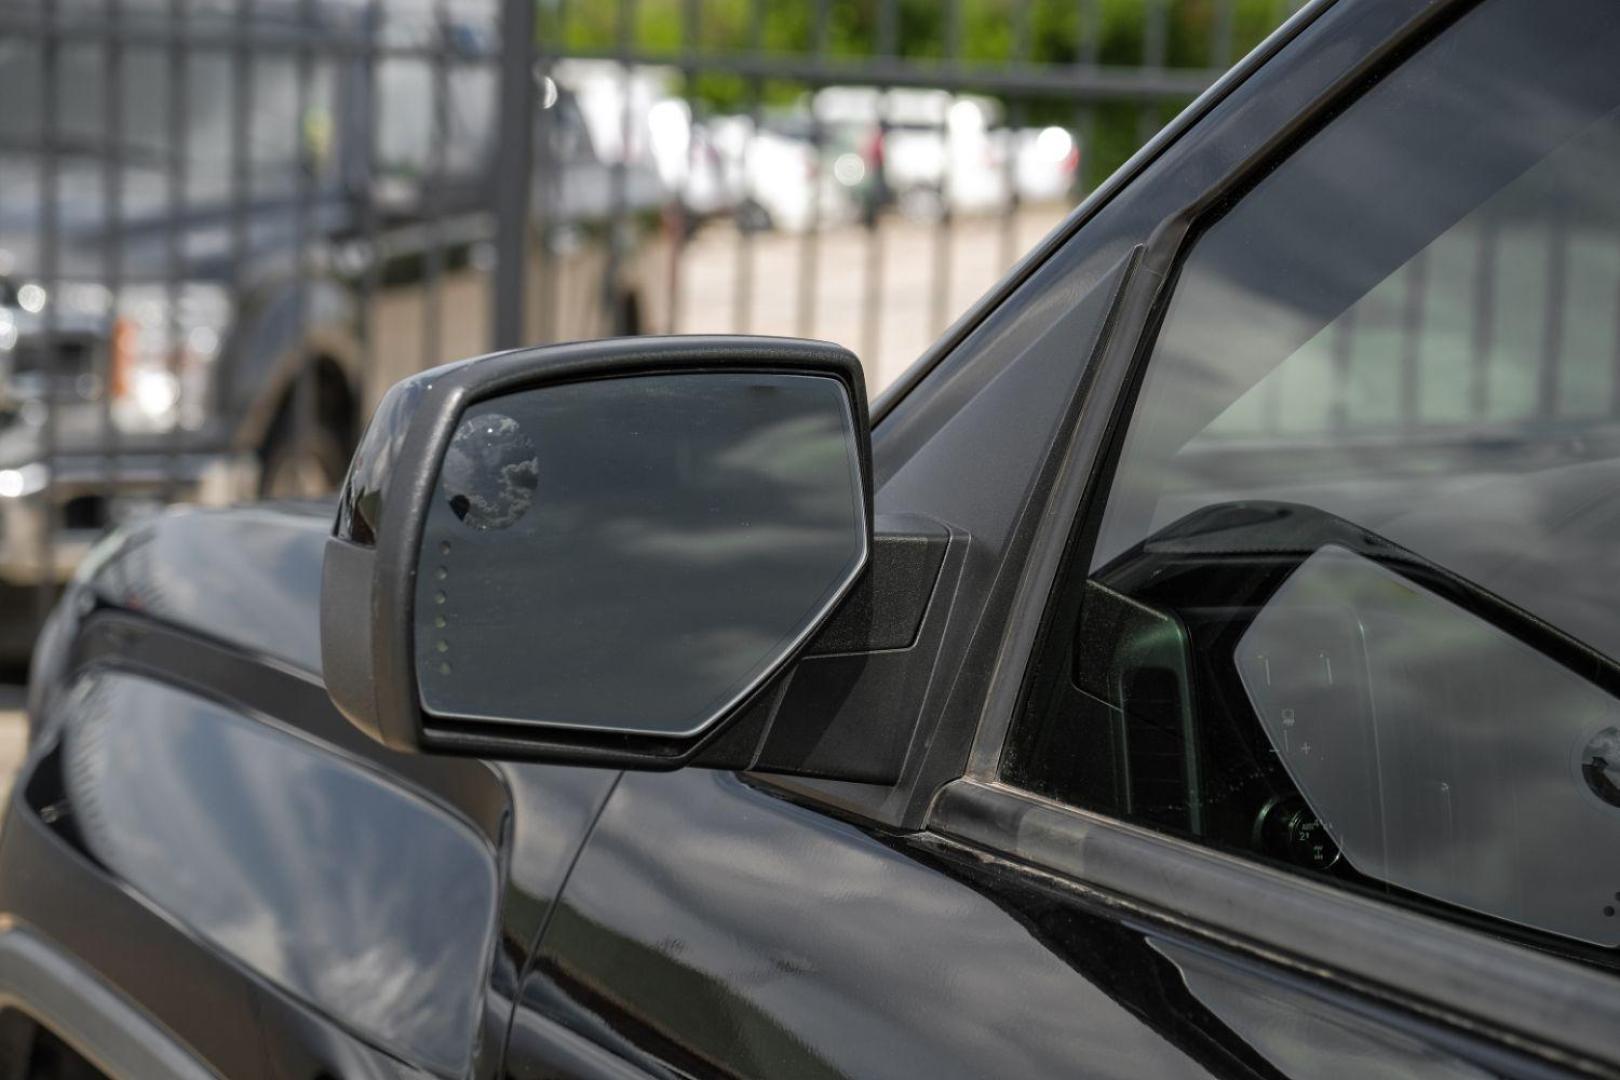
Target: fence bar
{"type": "Point", "coordinates": [514, 160]}
{"type": "Point", "coordinates": [1087, 54]}
{"type": "Point", "coordinates": [340, 56]}
{"type": "Point", "coordinates": [1484, 329]}
{"type": "Point", "coordinates": [614, 300]}
{"type": "Point", "coordinates": [742, 299]}
{"type": "Point", "coordinates": [1016, 113]}
{"type": "Point", "coordinates": [1061, 82]}
{"type": "Point", "coordinates": [1270, 406]}
{"type": "Point", "coordinates": [1614, 373]}
{"type": "Point", "coordinates": [810, 237]}
{"type": "Point", "coordinates": [370, 255]}
{"type": "Point", "coordinates": [690, 12]}
{"type": "Point", "coordinates": [433, 261]}
{"type": "Point", "coordinates": [177, 80]}
{"type": "Point", "coordinates": [1416, 274]}
{"type": "Point", "coordinates": [241, 176]}
{"type": "Point", "coordinates": [112, 201]}
{"type": "Point", "coordinates": [1550, 370]}
{"type": "Point", "coordinates": [1058, 81]}
{"type": "Point", "coordinates": [1155, 42]}
{"type": "Point", "coordinates": [285, 40]}
{"type": "Point", "coordinates": [939, 304]}
{"type": "Point", "coordinates": [50, 276]}
{"type": "Point", "coordinates": [303, 401]}
{"type": "Point", "coordinates": [1223, 41]}
{"type": "Point", "coordinates": [872, 301]}
{"type": "Point", "coordinates": [1343, 357]}
{"type": "Point", "coordinates": [545, 166]}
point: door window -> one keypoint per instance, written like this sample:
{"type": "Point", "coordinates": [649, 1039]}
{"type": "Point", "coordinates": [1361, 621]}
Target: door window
{"type": "Point", "coordinates": [1351, 603]}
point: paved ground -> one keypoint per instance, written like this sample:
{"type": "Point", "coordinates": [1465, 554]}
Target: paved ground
{"type": "Point", "coordinates": [12, 733]}
{"type": "Point", "coordinates": [886, 295]}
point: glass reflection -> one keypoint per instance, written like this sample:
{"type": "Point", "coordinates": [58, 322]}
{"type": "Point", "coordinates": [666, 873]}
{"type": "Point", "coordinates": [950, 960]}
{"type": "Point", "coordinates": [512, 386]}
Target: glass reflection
{"type": "Point", "coordinates": [248, 575]}
{"type": "Point", "coordinates": [633, 554]}
{"type": "Point", "coordinates": [1441, 754]}
{"type": "Point", "coordinates": [1309, 1035]}
{"type": "Point", "coordinates": [1399, 346]}
{"type": "Point", "coordinates": [1438, 366]}
{"type": "Point", "coordinates": [321, 876]}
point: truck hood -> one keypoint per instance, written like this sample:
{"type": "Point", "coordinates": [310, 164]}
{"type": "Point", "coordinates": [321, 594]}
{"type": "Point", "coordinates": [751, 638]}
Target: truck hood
{"type": "Point", "coordinates": [249, 577]}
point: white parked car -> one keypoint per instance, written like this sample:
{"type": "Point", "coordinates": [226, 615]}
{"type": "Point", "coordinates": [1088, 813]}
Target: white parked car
{"type": "Point", "coordinates": [783, 181]}
{"type": "Point", "coordinates": [940, 151]}
{"type": "Point", "coordinates": [1046, 163]}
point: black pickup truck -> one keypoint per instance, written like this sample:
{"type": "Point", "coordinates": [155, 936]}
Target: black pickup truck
{"type": "Point", "coordinates": [301, 223]}
{"type": "Point", "coordinates": [1204, 662]}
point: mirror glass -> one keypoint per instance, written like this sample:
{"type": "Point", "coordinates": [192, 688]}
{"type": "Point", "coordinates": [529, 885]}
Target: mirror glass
{"type": "Point", "coordinates": [634, 554]}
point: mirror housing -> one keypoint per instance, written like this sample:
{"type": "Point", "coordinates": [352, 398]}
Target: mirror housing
{"type": "Point", "coordinates": [598, 553]}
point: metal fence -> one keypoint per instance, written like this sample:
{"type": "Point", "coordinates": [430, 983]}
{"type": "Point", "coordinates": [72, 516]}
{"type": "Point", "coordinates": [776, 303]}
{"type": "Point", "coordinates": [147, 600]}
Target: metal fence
{"type": "Point", "coordinates": [227, 225]}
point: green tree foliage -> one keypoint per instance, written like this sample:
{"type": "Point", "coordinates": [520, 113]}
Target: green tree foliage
{"type": "Point", "coordinates": [1181, 34]}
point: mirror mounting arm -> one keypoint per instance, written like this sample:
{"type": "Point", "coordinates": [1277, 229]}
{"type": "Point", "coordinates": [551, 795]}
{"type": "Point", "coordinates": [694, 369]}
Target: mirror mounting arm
{"type": "Point", "coordinates": [848, 708]}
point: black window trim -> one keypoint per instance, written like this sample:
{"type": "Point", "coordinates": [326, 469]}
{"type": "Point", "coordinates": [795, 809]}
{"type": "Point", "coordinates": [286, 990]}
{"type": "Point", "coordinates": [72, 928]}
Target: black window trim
{"type": "Point", "coordinates": [1562, 1012]}
{"type": "Point", "coordinates": [944, 729]}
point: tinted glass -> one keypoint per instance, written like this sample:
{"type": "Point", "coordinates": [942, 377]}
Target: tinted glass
{"type": "Point", "coordinates": [381, 914]}
{"type": "Point", "coordinates": [1352, 603]}
{"type": "Point", "coordinates": [634, 554]}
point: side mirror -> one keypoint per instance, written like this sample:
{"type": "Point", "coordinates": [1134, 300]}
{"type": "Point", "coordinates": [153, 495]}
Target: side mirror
{"type": "Point", "coordinates": [596, 553]}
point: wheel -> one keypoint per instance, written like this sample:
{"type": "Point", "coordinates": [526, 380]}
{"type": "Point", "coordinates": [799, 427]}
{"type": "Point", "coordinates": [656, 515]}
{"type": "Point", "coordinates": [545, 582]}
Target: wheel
{"type": "Point", "coordinates": [306, 452]}
{"type": "Point", "coordinates": [752, 217]}
{"type": "Point", "coordinates": [19, 626]}
{"type": "Point", "coordinates": [628, 314]}
{"type": "Point", "coordinates": [305, 467]}
{"type": "Point", "coordinates": [16, 1045]}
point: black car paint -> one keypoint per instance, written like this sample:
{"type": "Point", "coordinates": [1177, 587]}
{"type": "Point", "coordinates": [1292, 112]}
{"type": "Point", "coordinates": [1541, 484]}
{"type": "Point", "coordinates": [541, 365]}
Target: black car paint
{"type": "Point", "coordinates": [715, 923]}
{"type": "Point", "coordinates": [710, 926]}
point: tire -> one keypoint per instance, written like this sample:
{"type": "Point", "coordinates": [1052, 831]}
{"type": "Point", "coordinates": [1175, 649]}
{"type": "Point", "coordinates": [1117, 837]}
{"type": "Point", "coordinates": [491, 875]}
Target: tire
{"type": "Point", "coordinates": [306, 452]}
{"type": "Point", "coordinates": [752, 217]}
{"type": "Point", "coordinates": [16, 1045]}
{"type": "Point", "coordinates": [19, 626]}
{"type": "Point", "coordinates": [629, 315]}
{"type": "Point", "coordinates": [303, 465]}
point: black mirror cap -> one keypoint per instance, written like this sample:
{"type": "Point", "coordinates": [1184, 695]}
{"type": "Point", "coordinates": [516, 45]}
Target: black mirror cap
{"type": "Point", "coordinates": [368, 578]}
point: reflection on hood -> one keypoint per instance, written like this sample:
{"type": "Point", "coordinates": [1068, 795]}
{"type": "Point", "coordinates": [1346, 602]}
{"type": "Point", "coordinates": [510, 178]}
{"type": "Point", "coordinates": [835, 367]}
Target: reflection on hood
{"type": "Point", "coordinates": [249, 577]}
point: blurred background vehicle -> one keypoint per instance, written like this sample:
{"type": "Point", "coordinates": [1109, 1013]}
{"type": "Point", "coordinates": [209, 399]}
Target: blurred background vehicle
{"type": "Point", "coordinates": [227, 225]}
{"type": "Point", "coordinates": [215, 286]}
{"type": "Point", "coordinates": [782, 178]}
{"type": "Point", "coordinates": [932, 152]}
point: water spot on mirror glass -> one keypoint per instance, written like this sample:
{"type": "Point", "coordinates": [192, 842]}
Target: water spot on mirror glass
{"type": "Point", "coordinates": [1600, 765]}
{"type": "Point", "coordinates": [491, 472]}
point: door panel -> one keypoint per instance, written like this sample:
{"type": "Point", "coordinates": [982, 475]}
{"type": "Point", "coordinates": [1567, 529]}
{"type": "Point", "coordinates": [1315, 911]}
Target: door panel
{"type": "Point", "coordinates": [716, 927]}
{"type": "Point", "coordinates": [712, 927]}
